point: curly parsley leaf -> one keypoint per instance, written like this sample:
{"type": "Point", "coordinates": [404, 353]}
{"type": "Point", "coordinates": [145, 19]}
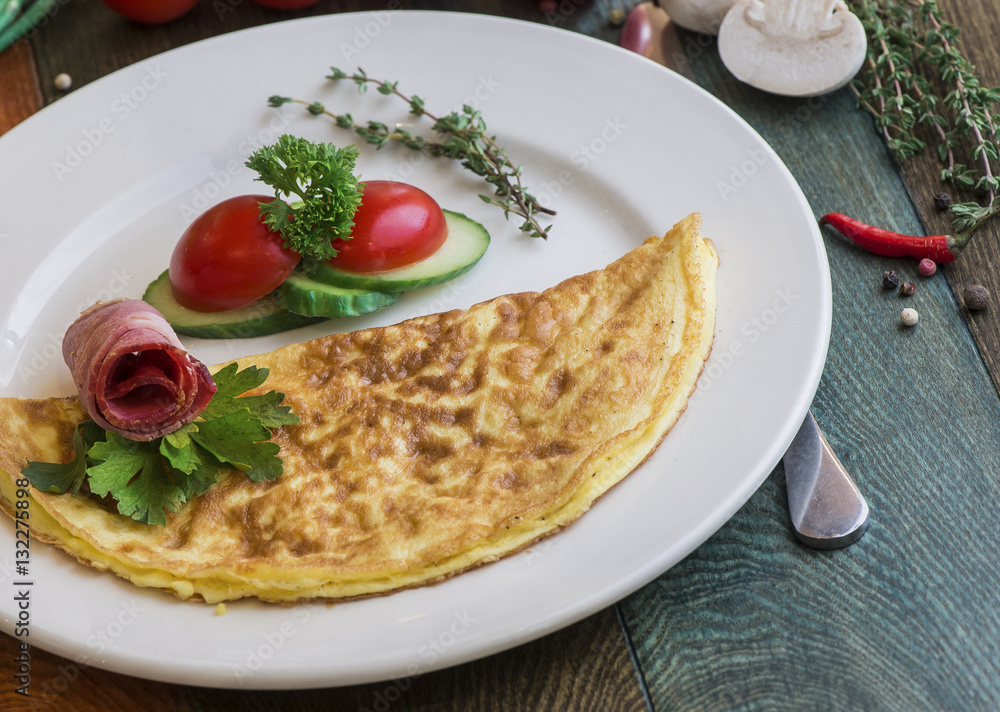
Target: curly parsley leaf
{"type": "Point", "coordinates": [316, 193]}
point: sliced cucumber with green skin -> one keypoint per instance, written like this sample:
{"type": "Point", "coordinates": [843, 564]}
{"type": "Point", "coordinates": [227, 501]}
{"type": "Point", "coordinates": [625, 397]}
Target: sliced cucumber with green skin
{"type": "Point", "coordinates": [466, 243]}
{"type": "Point", "coordinates": [302, 295]}
{"type": "Point", "coordinates": [262, 317]}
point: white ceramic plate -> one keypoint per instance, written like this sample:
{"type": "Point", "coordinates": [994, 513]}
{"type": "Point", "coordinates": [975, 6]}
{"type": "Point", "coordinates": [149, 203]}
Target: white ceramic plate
{"type": "Point", "coordinates": [98, 187]}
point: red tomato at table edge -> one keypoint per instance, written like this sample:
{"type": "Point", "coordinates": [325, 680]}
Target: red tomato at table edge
{"type": "Point", "coordinates": [227, 258]}
{"type": "Point", "coordinates": [151, 12]}
{"type": "Point", "coordinates": [396, 225]}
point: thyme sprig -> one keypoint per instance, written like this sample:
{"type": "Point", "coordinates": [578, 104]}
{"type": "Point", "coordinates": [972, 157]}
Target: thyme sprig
{"type": "Point", "coordinates": [918, 85]}
{"type": "Point", "coordinates": [460, 135]}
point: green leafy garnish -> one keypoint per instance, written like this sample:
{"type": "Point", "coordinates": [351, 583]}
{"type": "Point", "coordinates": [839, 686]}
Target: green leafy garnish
{"type": "Point", "coordinates": [137, 476]}
{"type": "Point", "coordinates": [149, 479]}
{"type": "Point", "coordinates": [52, 477]}
{"type": "Point", "coordinates": [461, 136]}
{"type": "Point", "coordinates": [237, 439]}
{"type": "Point", "coordinates": [326, 193]}
{"type": "Point", "coordinates": [266, 407]}
{"type": "Point", "coordinates": [922, 90]}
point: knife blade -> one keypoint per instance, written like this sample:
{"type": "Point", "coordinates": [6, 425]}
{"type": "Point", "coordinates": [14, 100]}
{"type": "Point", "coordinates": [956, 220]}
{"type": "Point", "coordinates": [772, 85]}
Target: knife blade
{"type": "Point", "coordinates": [827, 509]}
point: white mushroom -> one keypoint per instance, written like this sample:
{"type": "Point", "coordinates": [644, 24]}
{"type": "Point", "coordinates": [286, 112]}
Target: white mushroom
{"type": "Point", "coordinates": [792, 47]}
{"type": "Point", "coordinates": [698, 15]}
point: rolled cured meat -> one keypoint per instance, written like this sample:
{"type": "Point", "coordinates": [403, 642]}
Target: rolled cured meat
{"type": "Point", "coordinates": [132, 372]}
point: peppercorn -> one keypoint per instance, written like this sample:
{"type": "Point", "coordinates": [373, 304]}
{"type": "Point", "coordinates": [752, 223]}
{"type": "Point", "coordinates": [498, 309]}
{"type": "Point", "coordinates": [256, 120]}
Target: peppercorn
{"type": "Point", "coordinates": [617, 17]}
{"type": "Point", "coordinates": [942, 201]}
{"type": "Point", "coordinates": [927, 267]}
{"type": "Point", "coordinates": [909, 317]}
{"type": "Point", "coordinates": [976, 297]}
{"type": "Point", "coordinates": [890, 280]}
{"type": "Point", "coordinates": [63, 82]}
{"type": "Point", "coordinates": [906, 289]}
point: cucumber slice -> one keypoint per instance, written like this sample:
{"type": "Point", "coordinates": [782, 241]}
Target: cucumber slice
{"type": "Point", "coordinates": [262, 317]}
{"type": "Point", "coordinates": [466, 243]}
{"type": "Point", "coordinates": [301, 295]}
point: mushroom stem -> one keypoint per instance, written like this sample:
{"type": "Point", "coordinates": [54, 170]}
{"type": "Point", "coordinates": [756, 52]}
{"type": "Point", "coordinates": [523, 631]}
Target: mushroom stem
{"type": "Point", "coordinates": [797, 19]}
{"type": "Point", "coordinates": [792, 47]}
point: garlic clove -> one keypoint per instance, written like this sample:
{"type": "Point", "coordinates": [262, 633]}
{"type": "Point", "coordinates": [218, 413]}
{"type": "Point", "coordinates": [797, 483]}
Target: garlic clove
{"type": "Point", "coordinates": [792, 47]}
{"type": "Point", "coordinates": [698, 15]}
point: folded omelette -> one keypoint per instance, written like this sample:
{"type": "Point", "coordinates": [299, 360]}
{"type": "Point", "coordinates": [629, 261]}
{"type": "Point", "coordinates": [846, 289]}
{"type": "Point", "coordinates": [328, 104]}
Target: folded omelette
{"type": "Point", "coordinates": [425, 448]}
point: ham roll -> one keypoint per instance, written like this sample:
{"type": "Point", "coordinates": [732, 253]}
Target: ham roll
{"type": "Point", "coordinates": [131, 371]}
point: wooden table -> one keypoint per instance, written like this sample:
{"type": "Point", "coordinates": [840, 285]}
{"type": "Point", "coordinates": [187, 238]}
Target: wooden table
{"type": "Point", "coordinates": [907, 619]}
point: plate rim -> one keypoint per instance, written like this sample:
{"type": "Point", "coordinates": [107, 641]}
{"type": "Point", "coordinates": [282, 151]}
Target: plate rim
{"type": "Point", "coordinates": [153, 669]}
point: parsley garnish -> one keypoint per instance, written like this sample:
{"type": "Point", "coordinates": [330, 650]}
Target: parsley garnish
{"type": "Point", "coordinates": [149, 479]}
{"type": "Point", "coordinates": [327, 193]}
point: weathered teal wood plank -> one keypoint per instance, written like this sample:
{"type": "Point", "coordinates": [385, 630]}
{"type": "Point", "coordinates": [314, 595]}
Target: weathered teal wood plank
{"type": "Point", "coordinates": [907, 618]}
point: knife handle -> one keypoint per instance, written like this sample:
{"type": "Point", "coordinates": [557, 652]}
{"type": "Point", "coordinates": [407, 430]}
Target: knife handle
{"type": "Point", "coordinates": [827, 509]}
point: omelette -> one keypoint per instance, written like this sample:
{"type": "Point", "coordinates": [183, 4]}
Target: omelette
{"type": "Point", "coordinates": [425, 448]}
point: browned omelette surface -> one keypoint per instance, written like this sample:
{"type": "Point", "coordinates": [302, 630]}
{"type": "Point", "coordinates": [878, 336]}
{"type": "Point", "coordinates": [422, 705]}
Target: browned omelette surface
{"type": "Point", "coordinates": [426, 447]}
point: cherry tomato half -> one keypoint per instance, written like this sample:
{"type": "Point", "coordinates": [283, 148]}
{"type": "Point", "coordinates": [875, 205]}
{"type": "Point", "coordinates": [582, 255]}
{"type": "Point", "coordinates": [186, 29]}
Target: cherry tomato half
{"type": "Point", "coordinates": [395, 225]}
{"type": "Point", "coordinates": [151, 12]}
{"type": "Point", "coordinates": [228, 258]}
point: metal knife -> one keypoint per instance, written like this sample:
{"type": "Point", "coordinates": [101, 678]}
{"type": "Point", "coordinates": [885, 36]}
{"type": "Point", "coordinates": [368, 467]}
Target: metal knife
{"type": "Point", "coordinates": [827, 509]}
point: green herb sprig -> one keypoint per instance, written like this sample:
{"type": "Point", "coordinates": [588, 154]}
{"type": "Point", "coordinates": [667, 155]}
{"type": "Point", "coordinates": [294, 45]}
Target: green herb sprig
{"type": "Point", "coordinates": [149, 479]}
{"type": "Point", "coordinates": [916, 82]}
{"type": "Point", "coordinates": [326, 193]}
{"type": "Point", "coordinates": [461, 136]}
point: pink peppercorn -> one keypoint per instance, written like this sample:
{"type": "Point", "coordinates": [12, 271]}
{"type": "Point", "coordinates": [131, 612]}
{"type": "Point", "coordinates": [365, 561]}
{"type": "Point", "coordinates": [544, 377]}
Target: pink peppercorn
{"type": "Point", "coordinates": [927, 267]}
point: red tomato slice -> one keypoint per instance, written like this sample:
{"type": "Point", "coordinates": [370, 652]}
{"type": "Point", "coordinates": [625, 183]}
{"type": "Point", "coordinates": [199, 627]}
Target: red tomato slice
{"type": "Point", "coordinates": [152, 12]}
{"type": "Point", "coordinates": [228, 258]}
{"type": "Point", "coordinates": [395, 225]}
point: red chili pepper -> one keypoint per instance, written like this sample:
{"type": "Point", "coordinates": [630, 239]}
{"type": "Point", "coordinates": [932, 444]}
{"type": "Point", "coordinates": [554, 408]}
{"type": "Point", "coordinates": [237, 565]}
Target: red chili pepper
{"type": "Point", "coordinates": [940, 248]}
